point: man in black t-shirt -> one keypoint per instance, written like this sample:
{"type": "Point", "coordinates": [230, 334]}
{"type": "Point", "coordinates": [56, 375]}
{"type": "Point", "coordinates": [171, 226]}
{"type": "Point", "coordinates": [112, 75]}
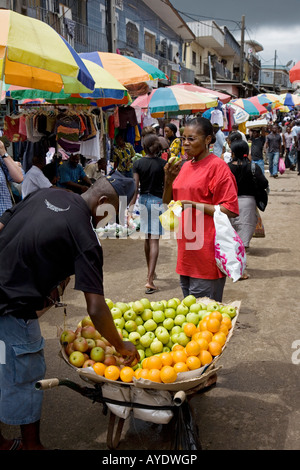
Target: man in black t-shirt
{"type": "Point", "coordinates": [258, 140]}
{"type": "Point", "coordinates": [44, 239]}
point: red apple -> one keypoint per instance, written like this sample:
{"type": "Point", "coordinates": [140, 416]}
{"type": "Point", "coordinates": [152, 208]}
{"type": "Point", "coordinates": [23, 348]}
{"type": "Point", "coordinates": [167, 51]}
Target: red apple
{"type": "Point", "coordinates": [80, 344]}
{"type": "Point", "coordinates": [78, 331]}
{"type": "Point", "coordinates": [110, 360]}
{"type": "Point", "coordinates": [88, 363]}
{"type": "Point", "coordinates": [100, 343]}
{"type": "Point", "coordinates": [88, 332]}
{"type": "Point", "coordinates": [69, 349]}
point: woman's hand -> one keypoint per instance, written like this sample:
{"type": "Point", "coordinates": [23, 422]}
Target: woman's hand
{"type": "Point", "coordinates": [172, 170]}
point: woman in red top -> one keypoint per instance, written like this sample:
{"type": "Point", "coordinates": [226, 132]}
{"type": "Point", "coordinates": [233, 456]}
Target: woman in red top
{"type": "Point", "coordinates": [200, 183]}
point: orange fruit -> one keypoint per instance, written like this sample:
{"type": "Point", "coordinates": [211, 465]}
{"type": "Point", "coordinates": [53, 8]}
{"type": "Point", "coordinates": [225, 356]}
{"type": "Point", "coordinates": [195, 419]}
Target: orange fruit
{"type": "Point", "coordinates": [220, 337]}
{"type": "Point", "coordinates": [203, 343]}
{"type": "Point", "coordinates": [144, 374]}
{"type": "Point", "coordinates": [217, 315]}
{"type": "Point", "coordinates": [192, 348]}
{"type": "Point", "coordinates": [138, 372]}
{"type": "Point", "coordinates": [197, 335]}
{"type": "Point", "coordinates": [154, 375]}
{"type": "Point", "coordinates": [180, 367]}
{"type": "Point", "coordinates": [112, 372]}
{"type": "Point", "coordinates": [189, 329]}
{"type": "Point", "coordinates": [179, 356]}
{"type": "Point", "coordinates": [206, 335]}
{"type": "Point", "coordinates": [213, 325]}
{"type": "Point", "coordinates": [145, 363]}
{"type": "Point", "coordinates": [99, 368]}
{"type": "Point", "coordinates": [214, 348]}
{"type": "Point", "coordinates": [203, 325]}
{"type": "Point", "coordinates": [227, 321]}
{"type": "Point", "coordinates": [177, 347]}
{"type": "Point", "coordinates": [168, 374]}
{"type": "Point", "coordinates": [224, 329]}
{"type": "Point", "coordinates": [205, 357]}
{"type": "Point", "coordinates": [193, 362]}
{"type": "Point", "coordinates": [166, 359]}
{"type": "Point", "coordinates": [154, 362]}
{"type": "Point", "coordinates": [126, 374]}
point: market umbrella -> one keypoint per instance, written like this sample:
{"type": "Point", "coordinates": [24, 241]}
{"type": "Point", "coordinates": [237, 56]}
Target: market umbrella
{"type": "Point", "coordinates": [34, 55]}
{"type": "Point", "coordinates": [287, 99]}
{"type": "Point", "coordinates": [108, 91]}
{"type": "Point", "coordinates": [199, 89]}
{"type": "Point", "coordinates": [173, 99]}
{"type": "Point", "coordinates": [128, 70]}
{"type": "Point", "coordinates": [294, 73]}
{"type": "Point", "coordinates": [252, 106]}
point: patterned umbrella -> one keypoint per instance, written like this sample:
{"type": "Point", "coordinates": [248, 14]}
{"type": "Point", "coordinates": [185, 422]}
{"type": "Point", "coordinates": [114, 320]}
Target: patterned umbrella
{"type": "Point", "coordinates": [173, 98]}
{"type": "Point", "coordinates": [287, 99]}
{"type": "Point", "coordinates": [127, 70]}
{"type": "Point", "coordinates": [251, 105]}
{"type": "Point", "coordinates": [199, 89]}
{"type": "Point", "coordinates": [108, 91]}
{"type": "Point", "coordinates": [34, 55]}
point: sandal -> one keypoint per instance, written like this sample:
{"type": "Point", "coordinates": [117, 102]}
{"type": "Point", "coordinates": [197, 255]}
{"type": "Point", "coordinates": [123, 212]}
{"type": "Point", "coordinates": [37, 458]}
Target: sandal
{"type": "Point", "coordinates": [151, 290]}
{"type": "Point", "coordinates": [16, 444]}
{"type": "Point", "coordinates": [244, 277]}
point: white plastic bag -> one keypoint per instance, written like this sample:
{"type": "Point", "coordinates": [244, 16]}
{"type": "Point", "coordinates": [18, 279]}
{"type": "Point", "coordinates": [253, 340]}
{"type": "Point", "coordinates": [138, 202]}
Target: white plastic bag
{"type": "Point", "coordinates": [230, 252]}
{"type": "Point", "coordinates": [155, 398]}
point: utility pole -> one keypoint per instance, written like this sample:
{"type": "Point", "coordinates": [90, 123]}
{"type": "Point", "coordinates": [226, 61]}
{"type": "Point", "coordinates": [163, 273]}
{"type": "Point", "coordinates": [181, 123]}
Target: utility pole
{"type": "Point", "coordinates": [111, 17]}
{"type": "Point", "coordinates": [274, 73]}
{"type": "Point", "coordinates": [242, 50]}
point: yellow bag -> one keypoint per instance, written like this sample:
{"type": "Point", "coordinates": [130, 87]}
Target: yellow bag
{"type": "Point", "coordinates": [170, 218]}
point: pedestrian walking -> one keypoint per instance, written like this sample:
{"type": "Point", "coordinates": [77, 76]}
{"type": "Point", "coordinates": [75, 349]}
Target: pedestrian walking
{"type": "Point", "coordinates": [273, 146]}
{"type": "Point", "coordinates": [148, 174]}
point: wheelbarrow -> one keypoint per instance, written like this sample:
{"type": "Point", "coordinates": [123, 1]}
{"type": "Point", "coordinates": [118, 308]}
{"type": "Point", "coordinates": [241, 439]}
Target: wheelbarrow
{"type": "Point", "coordinates": [184, 429]}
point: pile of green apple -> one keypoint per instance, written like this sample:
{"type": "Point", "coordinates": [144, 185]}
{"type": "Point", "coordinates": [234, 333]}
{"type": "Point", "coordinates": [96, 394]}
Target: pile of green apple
{"type": "Point", "coordinates": [155, 327]}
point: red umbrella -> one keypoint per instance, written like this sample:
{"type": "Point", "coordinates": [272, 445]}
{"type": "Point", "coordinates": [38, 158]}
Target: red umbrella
{"type": "Point", "coordinates": [295, 73]}
{"type": "Point", "coordinates": [190, 87]}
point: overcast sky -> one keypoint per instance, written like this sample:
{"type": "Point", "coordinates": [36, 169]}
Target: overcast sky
{"type": "Point", "coordinates": [274, 24]}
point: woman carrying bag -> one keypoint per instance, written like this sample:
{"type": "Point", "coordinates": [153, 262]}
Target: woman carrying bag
{"type": "Point", "coordinates": [240, 166]}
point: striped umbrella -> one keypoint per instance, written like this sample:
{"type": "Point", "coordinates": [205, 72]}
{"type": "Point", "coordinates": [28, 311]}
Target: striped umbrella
{"type": "Point", "coordinates": [174, 99]}
{"type": "Point", "coordinates": [126, 70]}
{"type": "Point", "coordinates": [251, 105]}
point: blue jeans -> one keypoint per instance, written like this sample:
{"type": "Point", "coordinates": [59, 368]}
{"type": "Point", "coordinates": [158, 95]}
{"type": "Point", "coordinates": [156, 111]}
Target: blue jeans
{"type": "Point", "coordinates": [273, 158]}
{"type": "Point", "coordinates": [150, 209]}
{"type": "Point", "coordinates": [261, 165]}
{"type": "Point", "coordinates": [22, 364]}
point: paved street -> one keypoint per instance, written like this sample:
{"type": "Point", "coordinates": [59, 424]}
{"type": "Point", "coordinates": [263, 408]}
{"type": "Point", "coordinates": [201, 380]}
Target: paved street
{"type": "Point", "coordinates": [255, 404]}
